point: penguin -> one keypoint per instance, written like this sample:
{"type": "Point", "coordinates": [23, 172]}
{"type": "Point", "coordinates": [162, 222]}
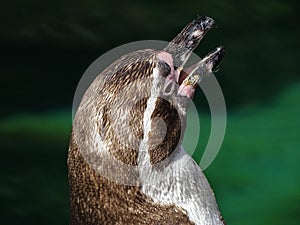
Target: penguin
{"type": "Point", "coordinates": [126, 161]}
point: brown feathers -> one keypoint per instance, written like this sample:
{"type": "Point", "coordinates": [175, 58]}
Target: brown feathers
{"type": "Point", "coordinates": [96, 200]}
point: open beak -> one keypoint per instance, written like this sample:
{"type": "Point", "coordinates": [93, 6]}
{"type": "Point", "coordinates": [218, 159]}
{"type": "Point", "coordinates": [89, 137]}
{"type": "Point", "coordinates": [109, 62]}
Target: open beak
{"type": "Point", "coordinates": [181, 48]}
{"type": "Point", "coordinates": [190, 77]}
{"type": "Point", "coordinates": [194, 73]}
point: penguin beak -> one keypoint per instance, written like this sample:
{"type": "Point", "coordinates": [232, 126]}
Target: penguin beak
{"type": "Point", "coordinates": [191, 76]}
{"type": "Point", "coordinates": [182, 46]}
{"type": "Point", "coordinates": [204, 67]}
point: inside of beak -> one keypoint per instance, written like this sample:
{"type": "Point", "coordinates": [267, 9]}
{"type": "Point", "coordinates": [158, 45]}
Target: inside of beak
{"type": "Point", "coordinates": [194, 73]}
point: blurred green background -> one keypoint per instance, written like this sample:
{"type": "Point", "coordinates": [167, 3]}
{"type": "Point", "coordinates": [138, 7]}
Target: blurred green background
{"type": "Point", "coordinates": [47, 45]}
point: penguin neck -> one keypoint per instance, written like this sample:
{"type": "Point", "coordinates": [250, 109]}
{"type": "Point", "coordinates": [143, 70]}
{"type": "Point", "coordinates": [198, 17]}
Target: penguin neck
{"type": "Point", "coordinates": [153, 154]}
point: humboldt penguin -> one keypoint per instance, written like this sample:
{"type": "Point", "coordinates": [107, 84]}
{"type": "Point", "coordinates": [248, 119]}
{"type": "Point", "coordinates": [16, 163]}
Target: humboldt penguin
{"type": "Point", "coordinates": [126, 161]}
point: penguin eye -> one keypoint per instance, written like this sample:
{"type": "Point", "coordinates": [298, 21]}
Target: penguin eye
{"type": "Point", "coordinates": [164, 68]}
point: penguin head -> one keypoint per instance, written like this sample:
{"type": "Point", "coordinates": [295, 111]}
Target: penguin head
{"type": "Point", "coordinates": [138, 104]}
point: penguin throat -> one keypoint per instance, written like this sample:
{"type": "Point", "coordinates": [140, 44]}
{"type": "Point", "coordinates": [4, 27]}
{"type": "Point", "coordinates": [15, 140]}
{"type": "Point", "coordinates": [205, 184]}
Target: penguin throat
{"type": "Point", "coordinates": [161, 127]}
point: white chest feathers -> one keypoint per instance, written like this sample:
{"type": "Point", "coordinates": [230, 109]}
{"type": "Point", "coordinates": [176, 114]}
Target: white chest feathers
{"type": "Point", "coordinates": [183, 184]}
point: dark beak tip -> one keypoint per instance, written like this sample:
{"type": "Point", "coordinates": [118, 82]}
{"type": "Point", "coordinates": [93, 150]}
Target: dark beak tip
{"type": "Point", "coordinates": [218, 57]}
{"type": "Point", "coordinates": [222, 50]}
{"type": "Point", "coordinates": [205, 22]}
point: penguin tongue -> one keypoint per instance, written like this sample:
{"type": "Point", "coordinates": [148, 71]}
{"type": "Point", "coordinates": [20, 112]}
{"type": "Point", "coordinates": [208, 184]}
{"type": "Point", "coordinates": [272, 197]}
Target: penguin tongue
{"type": "Point", "coordinates": [188, 39]}
{"type": "Point", "coordinates": [191, 76]}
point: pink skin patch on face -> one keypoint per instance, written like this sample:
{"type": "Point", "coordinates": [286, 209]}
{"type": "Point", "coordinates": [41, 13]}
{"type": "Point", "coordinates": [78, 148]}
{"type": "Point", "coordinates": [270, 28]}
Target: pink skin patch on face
{"type": "Point", "coordinates": [167, 57]}
{"type": "Point", "coordinates": [170, 83]}
{"type": "Point", "coordinates": [176, 77]}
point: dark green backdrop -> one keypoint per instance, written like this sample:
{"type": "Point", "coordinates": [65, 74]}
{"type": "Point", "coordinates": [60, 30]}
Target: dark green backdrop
{"type": "Point", "coordinates": [47, 45]}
